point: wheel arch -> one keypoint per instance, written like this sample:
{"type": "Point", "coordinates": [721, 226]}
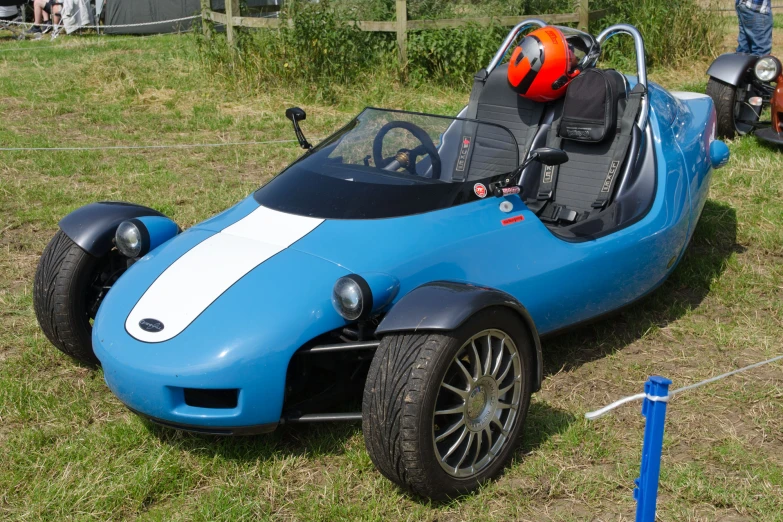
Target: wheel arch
{"type": "Point", "coordinates": [446, 305]}
{"type": "Point", "coordinates": [731, 67]}
{"type": "Point", "coordinates": [92, 226]}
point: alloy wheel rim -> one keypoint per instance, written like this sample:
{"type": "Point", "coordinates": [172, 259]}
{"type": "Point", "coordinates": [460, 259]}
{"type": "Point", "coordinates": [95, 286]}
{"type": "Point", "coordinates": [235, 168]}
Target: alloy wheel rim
{"type": "Point", "coordinates": [477, 403]}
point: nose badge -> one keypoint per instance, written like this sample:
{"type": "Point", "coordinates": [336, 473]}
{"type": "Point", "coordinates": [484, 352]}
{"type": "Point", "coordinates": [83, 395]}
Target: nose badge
{"type": "Point", "coordinates": [151, 325]}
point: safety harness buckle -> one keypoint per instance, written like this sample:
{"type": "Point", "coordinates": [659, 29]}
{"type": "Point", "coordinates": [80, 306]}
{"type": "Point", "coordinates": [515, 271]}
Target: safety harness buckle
{"type": "Point", "coordinates": [569, 216]}
{"type": "Point", "coordinates": [558, 213]}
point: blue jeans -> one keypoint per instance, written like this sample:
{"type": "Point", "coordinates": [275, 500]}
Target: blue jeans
{"type": "Point", "coordinates": [755, 32]}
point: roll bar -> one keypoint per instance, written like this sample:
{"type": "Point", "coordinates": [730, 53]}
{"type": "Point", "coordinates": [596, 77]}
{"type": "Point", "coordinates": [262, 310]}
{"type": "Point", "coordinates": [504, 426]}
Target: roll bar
{"type": "Point", "coordinates": [510, 39]}
{"type": "Point", "coordinates": [641, 65]}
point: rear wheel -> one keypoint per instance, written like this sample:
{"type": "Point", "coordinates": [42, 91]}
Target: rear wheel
{"type": "Point", "coordinates": [68, 289]}
{"type": "Point", "coordinates": [442, 412]}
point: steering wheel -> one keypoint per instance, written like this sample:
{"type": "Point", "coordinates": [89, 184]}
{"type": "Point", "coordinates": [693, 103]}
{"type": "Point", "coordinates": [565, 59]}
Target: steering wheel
{"type": "Point", "coordinates": [406, 157]}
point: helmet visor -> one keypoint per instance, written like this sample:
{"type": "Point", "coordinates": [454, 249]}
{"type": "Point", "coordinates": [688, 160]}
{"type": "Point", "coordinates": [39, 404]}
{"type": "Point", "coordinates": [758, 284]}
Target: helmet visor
{"type": "Point", "coordinates": [580, 46]}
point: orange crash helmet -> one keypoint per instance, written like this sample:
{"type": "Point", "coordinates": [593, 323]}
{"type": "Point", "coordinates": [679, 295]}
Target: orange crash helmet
{"type": "Point", "coordinates": [547, 60]}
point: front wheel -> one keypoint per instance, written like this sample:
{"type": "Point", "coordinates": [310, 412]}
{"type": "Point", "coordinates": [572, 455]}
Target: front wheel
{"type": "Point", "coordinates": [68, 288]}
{"type": "Point", "coordinates": [442, 413]}
{"type": "Point", "coordinates": [735, 114]}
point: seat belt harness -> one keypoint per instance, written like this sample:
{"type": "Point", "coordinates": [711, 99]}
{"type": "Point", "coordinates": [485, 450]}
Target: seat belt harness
{"type": "Point", "coordinates": [469, 128]}
{"type": "Point", "coordinates": [546, 189]}
{"type": "Point", "coordinates": [479, 80]}
{"type": "Point", "coordinates": [624, 135]}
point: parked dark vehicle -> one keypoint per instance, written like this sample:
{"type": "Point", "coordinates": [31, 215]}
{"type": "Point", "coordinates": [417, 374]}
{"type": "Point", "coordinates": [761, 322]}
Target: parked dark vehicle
{"type": "Point", "coordinates": [742, 86]}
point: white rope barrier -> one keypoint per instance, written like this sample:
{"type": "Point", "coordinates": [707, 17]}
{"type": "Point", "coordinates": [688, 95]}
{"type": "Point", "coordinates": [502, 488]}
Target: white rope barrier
{"type": "Point", "coordinates": [102, 40]}
{"type": "Point", "coordinates": [639, 396]}
{"type": "Point", "coordinates": [616, 404]}
{"type": "Point", "coordinates": [137, 147]}
{"type": "Point", "coordinates": [117, 26]}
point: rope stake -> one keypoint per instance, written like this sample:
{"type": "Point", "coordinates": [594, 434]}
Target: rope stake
{"type": "Point", "coordinates": [656, 396]}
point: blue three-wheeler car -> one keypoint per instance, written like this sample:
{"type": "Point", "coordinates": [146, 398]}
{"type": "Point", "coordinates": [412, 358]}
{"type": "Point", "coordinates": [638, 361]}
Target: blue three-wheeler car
{"type": "Point", "coordinates": [414, 257]}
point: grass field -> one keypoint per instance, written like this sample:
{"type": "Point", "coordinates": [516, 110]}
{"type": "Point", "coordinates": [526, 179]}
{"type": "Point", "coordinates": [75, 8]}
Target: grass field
{"type": "Point", "coordinates": [70, 450]}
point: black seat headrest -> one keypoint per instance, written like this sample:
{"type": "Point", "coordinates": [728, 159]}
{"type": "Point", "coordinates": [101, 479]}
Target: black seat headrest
{"type": "Point", "coordinates": [497, 90]}
{"type": "Point", "coordinates": [590, 109]}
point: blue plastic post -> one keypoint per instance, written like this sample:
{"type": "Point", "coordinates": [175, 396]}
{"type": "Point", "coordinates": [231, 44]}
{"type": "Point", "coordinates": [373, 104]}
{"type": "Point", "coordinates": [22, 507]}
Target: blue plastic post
{"type": "Point", "coordinates": [646, 491]}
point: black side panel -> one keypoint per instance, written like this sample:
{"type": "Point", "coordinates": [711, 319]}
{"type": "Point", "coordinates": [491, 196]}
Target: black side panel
{"type": "Point", "coordinates": [92, 226]}
{"type": "Point", "coordinates": [731, 68]}
{"type": "Point", "coordinates": [444, 305]}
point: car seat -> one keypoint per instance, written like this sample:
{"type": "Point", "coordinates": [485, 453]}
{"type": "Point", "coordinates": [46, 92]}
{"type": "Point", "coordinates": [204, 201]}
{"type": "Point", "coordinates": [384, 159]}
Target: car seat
{"type": "Point", "coordinates": [493, 100]}
{"type": "Point", "coordinates": [595, 127]}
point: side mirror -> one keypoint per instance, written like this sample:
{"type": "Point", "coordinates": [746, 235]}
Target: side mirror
{"type": "Point", "coordinates": [550, 156]}
{"type": "Point", "coordinates": [295, 114]}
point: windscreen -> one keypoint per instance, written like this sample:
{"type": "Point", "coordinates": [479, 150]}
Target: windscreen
{"type": "Point", "coordinates": [394, 163]}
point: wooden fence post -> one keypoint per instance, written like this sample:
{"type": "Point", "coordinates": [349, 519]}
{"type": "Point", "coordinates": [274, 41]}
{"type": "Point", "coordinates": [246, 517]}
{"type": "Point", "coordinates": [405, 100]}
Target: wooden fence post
{"type": "Point", "coordinates": [583, 10]}
{"type": "Point", "coordinates": [205, 6]}
{"type": "Point", "coordinates": [402, 31]}
{"type": "Point", "coordinates": [232, 9]}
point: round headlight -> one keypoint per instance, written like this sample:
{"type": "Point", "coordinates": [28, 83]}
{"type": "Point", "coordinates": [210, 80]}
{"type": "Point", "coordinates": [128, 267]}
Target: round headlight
{"type": "Point", "coordinates": [767, 68]}
{"type": "Point", "coordinates": [129, 238]}
{"type": "Point", "coordinates": [352, 298]}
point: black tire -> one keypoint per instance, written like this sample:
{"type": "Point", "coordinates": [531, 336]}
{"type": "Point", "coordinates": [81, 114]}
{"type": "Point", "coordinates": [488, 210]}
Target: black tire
{"type": "Point", "coordinates": [62, 297]}
{"type": "Point", "coordinates": [400, 397]}
{"type": "Point", "coordinates": [724, 96]}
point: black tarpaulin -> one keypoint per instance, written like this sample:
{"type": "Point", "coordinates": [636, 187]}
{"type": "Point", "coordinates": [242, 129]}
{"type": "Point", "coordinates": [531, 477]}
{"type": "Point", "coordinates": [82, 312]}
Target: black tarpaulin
{"type": "Point", "coordinates": [121, 12]}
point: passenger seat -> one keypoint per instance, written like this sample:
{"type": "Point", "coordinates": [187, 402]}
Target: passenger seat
{"type": "Point", "coordinates": [595, 129]}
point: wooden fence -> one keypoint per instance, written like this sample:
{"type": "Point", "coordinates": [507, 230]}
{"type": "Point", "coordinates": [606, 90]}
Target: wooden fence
{"type": "Point", "coordinates": [402, 26]}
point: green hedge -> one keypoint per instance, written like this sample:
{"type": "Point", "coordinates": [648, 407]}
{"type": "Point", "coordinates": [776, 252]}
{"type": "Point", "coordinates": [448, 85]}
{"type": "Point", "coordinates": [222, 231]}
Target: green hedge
{"type": "Point", "coordinates": [320, 50]}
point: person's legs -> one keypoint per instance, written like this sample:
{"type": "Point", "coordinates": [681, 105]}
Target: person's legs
{"type": "Point", "coordinates": [57, 17]}
{"type": "Point", "coordinates": [761, 43]}
{"type": "Point", "coordinates": [742, 38]}
{"type": "Point", "coordinates": [758, 30]}
{"type": "Point", "coordinates": [39, 12]}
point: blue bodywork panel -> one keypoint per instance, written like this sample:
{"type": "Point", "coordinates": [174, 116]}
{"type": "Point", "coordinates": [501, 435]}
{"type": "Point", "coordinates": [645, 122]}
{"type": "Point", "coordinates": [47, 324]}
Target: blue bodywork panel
{"type": "Point", "coordinates": [245, 339]}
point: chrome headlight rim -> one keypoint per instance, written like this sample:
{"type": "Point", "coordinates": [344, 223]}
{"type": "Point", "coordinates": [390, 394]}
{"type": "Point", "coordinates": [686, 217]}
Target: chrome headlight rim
{"type": "Point", "coordinates": [358, 285]}
{"type": "Point", "coordinates": [769, 64]}
{"type": "Point", "coordinates": [125, 245]}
